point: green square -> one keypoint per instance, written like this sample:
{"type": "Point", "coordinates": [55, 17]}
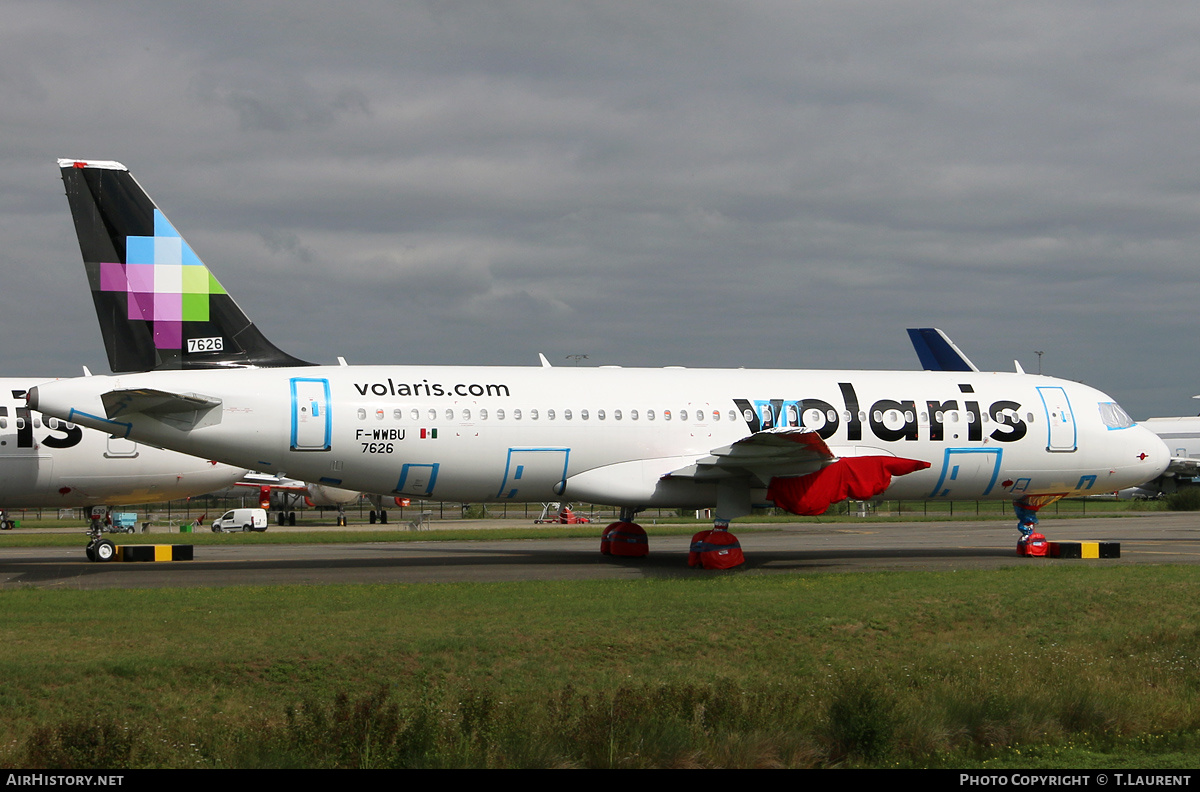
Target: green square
{"type": "Point", "coordinates": [195, 307]}
{"type": "Point", "coordinates": [195, 280]}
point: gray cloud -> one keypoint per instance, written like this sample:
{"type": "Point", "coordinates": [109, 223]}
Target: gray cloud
{"type": "Point", "coordinates": [697, 183]}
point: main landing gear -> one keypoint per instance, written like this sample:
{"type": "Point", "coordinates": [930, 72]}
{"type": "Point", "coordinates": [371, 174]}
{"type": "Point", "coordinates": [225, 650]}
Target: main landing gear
{"type": "Point", "coordinates": [625, 537]}
{"type": "Point", "coordinates": [712, 548]}
{"type": "Point", "coordinates": [285, 518]}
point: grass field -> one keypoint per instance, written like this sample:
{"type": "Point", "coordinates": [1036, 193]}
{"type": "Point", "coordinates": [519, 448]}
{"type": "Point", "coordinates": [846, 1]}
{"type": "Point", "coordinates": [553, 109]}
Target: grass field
{"type": "Point", "coordinates": [1022, 667]}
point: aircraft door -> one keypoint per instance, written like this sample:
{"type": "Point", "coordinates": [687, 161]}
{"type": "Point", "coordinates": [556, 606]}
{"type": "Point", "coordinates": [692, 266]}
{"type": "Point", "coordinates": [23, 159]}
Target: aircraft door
{"type": "Point", "coordinates": [416, 481]}
{"type": "Point", "coordinates": [534, 473]}
{"type": "Point", "coordinates": [1062, 433]}
{"type": "Point", "coordinates": [311, 425]}
{"type": "Point", "coordinates": [968, 472]}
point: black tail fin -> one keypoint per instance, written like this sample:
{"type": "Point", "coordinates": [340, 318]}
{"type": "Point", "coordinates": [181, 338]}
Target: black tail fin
{"type": "Point", "coordinates": [159, 307]}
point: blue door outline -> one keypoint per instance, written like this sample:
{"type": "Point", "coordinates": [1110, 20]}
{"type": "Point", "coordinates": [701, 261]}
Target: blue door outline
{"type": "Point", "coordinates": [951, 467]}
{"type": "Point", "coordinates": [1061, 432]}
{"type": "Point", "coordinates": [517, 469]}
{"type": "Point", "coordinates": [417, 480]}
{"type": "Point", "coordinates": [311, 423]}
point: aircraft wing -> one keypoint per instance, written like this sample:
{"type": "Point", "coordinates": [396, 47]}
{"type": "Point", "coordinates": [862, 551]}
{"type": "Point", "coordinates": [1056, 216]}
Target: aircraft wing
{"type": "Point", "coordinates": [801, 473]}
{"type": "Point", "coordinates": [1183, 467]}
{"type": "Point", "coordinates": [782, 451]}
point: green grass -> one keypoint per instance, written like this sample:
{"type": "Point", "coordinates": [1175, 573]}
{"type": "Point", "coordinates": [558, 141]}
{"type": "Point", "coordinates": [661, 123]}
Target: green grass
{"type": "Point", "coordinates": [1021, 667]}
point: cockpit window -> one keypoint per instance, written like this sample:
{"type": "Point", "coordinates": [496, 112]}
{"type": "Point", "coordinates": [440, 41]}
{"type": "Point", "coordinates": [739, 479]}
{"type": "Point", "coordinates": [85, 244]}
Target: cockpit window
{"type": "Point", "coordinates": [1114, 417]}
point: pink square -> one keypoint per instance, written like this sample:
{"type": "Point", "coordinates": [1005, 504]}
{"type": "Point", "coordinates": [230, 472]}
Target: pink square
{"type": "Point", "coordinates": [168, 307]}
{"type": "Point", "coordinates": [112, 277]}
{"type": "Point", "coordinates": [141, 277]}
{"type": "Point", "coordinates": [168, 335]}
{"type": "Point", "coordinates": [141, 306]}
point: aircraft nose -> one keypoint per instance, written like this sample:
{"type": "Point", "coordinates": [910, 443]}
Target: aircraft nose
{"type": "Point", "coordinates": [1152, 451]}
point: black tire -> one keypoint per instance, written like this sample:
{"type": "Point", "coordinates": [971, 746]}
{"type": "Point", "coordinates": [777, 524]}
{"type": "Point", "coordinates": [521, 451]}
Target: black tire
{"type": "Point", "coordinates": [247, 528]}
{"type": "Point", "coordinates": [105, 550]}
{"type": "Point", "coordinates": [383, 516]}
{"type": "Point", "coordinates": [91, 553]}
{"type": "Point", "coordinates": [291, 518]}
{"type": "Point", "coordinates": [281, 518]}
{"type": "Point", "coordinates": [372, 517]}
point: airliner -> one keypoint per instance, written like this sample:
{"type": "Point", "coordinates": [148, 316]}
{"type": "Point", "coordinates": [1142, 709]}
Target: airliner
{"type": "Point", "coordinates": [194, 374]}
{"type": "Point", "coordinates": [56, 464]}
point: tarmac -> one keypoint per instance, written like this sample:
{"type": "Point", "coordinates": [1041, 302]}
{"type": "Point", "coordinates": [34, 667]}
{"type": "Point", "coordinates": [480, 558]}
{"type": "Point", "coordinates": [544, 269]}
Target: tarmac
{"type": "Point", "coordinates": [1158, 538]}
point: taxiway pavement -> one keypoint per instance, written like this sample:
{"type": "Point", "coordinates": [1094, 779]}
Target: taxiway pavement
{"type": "Point", "coordinates": [1166, 538]}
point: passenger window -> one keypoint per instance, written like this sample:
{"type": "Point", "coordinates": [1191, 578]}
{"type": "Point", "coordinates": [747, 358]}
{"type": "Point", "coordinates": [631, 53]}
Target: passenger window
{"type": "Point", "coordinates": [466, 414]}
{"type": "Point", "coordinates": [415, 413]}
{"type": "Point", "coordinates": [533, 415]}
{"type": "Point", "coordinates": [583, 415]}
{"type": "Point", "coordinates": [397, 414]}
{"type": "Point", "coordinates": [633, 415]}
{"type": "Point", "coordinates": [566, 415]}
{"type": "Point", "coordinates": [649, 415]}
{"type": "Point", "coordinates": [379, 414]}
{"type": "Point", "coordinates": [549, 415]}
{"type": "Point", "coordinates": [483, 414]}
{"type": "Point", "coordinates": [616, 415]}
{"type": "Point", "coordinates": [517, 414]}
{"type": "Point", "coordinates": [362, 416]}
{"type": "Point", "coordinates": [499, 414]}
{"type": "Point", "coordinates": [600, 415]}
{"type": "Point", "coordinates": [432, 414]}
{"type": "Point", "coordinates": [666, 415]}
{"type": "Point", "coordinates": [449, 414]}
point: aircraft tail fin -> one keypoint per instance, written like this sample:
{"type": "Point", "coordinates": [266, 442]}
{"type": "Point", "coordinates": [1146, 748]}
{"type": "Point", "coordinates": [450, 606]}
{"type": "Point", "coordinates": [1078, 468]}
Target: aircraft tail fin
{"type": "Point", "coordinates": [159, 307]}
{"type": "Point", "coordinates": [937, 352]}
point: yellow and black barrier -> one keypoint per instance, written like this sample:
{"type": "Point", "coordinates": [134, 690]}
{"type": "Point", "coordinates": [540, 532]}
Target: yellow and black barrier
{"type": "Point", "coordinates": [1084, 550]}
{"type": "Point", "coordinates": [154, 552]}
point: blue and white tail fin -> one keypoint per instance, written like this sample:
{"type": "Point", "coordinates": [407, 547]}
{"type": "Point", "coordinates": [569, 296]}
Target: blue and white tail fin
{"type": "Point", "coordinates": [159, 307]}
{"type": "Point", "coordinates": [937, 352]}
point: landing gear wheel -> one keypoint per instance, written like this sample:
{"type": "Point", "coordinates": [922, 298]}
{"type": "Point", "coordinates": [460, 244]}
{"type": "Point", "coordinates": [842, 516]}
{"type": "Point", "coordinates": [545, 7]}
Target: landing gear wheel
{"type": "Point", "coordinates": [91, 553]}
{"type": "Point", "coordinates": [105, 550]}
{"type": "Point", "coordinates": [280, 518]}
{"type": "Point", "coordinates": [291, 518]}
{"type": "Point", "coordinates": [372, 517]}
{"type": "Point", "coordinates": [383, 516]}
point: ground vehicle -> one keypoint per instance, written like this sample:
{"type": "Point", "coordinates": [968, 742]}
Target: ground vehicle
{"type": "Point", "coordinates": [241, 520]}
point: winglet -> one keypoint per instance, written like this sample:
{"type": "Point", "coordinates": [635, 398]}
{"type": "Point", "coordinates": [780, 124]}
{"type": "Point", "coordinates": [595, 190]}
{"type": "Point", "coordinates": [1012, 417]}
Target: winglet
{"type": "Point", "coordinates": [159, 307]}
{"type": "Point", "coordinates": [937, 352]}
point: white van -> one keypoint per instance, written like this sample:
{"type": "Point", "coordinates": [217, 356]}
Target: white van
{"type": "Point", "coordinates": [241, 520]}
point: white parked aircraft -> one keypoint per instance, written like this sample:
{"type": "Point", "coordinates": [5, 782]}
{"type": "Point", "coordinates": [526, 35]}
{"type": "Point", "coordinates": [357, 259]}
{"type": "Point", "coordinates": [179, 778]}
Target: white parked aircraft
{"type": "Point", "coordinates": [55, 464]}
{"type": "Point", "coordinates": [633, 438]}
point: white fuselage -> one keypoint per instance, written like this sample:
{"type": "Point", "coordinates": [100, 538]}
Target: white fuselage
{"type": "Point", "coordinates": [56, 464]}
{"type": "Point", "coordinates": [611, 435]}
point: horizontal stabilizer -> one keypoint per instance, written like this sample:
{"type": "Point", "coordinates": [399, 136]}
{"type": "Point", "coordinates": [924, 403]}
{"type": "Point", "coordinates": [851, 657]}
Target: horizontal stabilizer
{"type": "Point", "coordinates": [937, 352]}
{"type": "Point", "coordinates": [183, 411]}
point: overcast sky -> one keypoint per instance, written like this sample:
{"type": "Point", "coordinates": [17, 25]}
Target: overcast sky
{"type": "Point", "coordinates": [760, 184]}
